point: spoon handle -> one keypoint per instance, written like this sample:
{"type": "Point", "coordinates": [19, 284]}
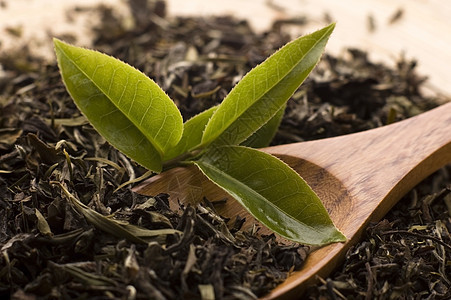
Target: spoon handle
{"type": "Point", "coordinates": [378, 166]}
{"type": "Point", "coordinates": [365, 175]}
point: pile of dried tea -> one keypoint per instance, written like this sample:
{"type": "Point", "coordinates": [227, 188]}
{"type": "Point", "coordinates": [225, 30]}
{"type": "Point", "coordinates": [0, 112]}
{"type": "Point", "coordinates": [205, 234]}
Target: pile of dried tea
{"type": "Point", "coordinates": [67, 231]}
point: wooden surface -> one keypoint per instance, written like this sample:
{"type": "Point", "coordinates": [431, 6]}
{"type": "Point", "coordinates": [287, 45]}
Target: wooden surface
{"type": "Point", "coordinates": [358, 177]}
{"type": "Point", "coordinates": [423, 31]}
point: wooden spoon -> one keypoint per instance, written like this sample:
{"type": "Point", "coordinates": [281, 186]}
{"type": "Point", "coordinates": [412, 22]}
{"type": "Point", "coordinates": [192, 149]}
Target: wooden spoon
{"type": "Point", "coordinates": [358, 177]}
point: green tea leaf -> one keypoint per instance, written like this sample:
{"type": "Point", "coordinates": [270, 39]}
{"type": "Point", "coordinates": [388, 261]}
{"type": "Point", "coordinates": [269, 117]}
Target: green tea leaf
{"type": "Point", "coordinates": [263, 91]}
{"type": "Point", "coordinates": [272, 192]}
{"type": "Point", "coordinates": [192, 134]}
{"type": "Point", "coordinates": [263, 137]}
{"type": "Point", "coordinates": [124, 105]}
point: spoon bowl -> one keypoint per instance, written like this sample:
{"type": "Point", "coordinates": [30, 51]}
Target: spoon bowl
{"type": "Point", "coordinates": [358, 177]}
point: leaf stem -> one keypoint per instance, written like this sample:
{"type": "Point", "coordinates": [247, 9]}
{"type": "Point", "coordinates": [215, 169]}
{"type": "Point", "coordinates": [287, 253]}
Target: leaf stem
{"type": "Point", "coordinates": [182, 159]}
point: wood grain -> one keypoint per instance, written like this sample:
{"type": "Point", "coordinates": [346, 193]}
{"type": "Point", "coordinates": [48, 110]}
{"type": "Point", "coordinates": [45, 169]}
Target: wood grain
{"type": "Point", "coordinates": [358, 177]}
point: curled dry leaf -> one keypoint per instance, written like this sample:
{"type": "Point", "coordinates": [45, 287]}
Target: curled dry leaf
{"type": "Point", "coordinates": [114, 227]}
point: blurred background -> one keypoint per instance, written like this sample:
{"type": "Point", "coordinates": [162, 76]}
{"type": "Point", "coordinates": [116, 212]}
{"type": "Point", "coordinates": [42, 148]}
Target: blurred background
{"type": "Point", "coordinates": [419, 29]}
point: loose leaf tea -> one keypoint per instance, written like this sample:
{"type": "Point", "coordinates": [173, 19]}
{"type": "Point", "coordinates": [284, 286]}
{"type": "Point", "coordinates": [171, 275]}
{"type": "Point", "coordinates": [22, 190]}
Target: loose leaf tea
{"type": "Point", "coordinates": [404, 256]}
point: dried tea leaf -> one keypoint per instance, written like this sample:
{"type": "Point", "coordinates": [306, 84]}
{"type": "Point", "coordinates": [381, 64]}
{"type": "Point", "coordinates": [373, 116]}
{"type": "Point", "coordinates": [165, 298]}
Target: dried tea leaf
{"type": "Point", "coordinates": [42, 225]}
{"type": "Point", "coordinates": [131, 263]}
{"type": "Point", "coordinates": [114, 227]}
{"type": "Point", "coordinates": [131, 181]}
{"type": "Point", "coordinates": [71, 122]}
{"type": "Point", "coordinates": [8, 136]}
{"type": "Point", "coordinates": [147, 233]}
{"type": "Point", "coordinates": [85, 277]}
{"type": "Point", "coordinates": [47, 153]}
{"type": "Point", "coordinates": [106, 161]}
{"type": "Point", "coordinates": [207, 291]}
